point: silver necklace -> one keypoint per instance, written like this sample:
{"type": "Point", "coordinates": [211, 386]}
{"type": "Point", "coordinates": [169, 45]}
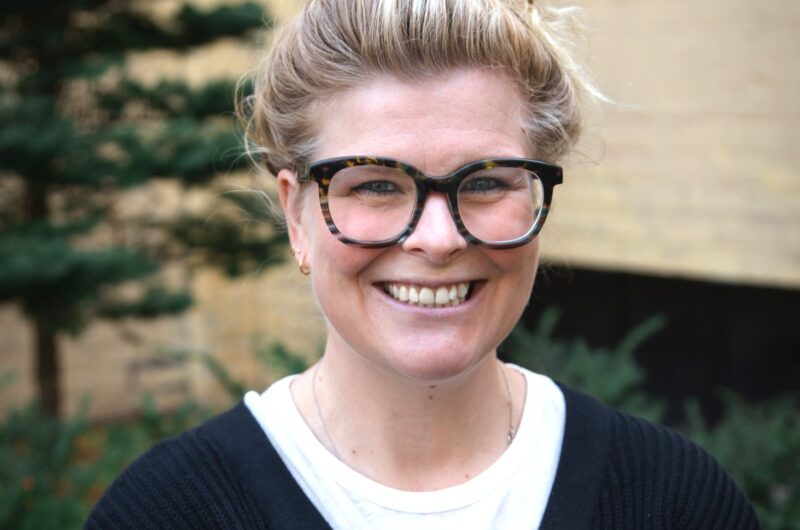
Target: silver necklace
{"type": "Point", "coordinates": [512, 431]}
{"type": "Point", "coordinates": [328, 438]}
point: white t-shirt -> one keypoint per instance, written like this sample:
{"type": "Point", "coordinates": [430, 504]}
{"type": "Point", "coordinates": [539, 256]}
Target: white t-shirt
{"type": "Point", "coordinates": [511, 494]}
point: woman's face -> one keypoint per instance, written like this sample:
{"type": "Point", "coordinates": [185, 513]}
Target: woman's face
{"type": "Point", "coordinates": [438, 126]}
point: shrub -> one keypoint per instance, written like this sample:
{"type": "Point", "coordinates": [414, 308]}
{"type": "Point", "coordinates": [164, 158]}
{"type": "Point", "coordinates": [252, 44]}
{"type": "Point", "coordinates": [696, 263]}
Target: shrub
{"type": "Point", "coordinates": [610, 375]}
{"type": "Point", "coordinates": [758, 443]}
{"type": "Point", "coordinates": [53, 471]}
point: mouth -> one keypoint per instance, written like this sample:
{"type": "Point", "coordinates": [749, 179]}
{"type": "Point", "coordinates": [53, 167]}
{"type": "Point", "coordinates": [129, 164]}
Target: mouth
{"type": "Point", "coordinates": [445, 295]}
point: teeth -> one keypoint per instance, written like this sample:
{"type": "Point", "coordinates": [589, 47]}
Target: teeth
{"type": "Point", "coordinates": [442, 296]}
{"type": "Point", "coordinates": [413, 295]}
{"type": "Point", "coordinates": [426, 296]}
{"type": "Point", "coordinates": [402, 294]}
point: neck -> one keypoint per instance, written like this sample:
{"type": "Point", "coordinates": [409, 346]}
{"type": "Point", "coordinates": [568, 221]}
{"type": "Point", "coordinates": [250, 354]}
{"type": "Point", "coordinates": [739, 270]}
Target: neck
{"type": "Point", "coordinates": [407, 433]}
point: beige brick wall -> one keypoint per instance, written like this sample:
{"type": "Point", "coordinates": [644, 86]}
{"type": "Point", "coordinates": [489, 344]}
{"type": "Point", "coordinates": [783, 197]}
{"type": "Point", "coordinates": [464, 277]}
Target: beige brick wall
{"type": "Point", "coordinates": [697, 171]}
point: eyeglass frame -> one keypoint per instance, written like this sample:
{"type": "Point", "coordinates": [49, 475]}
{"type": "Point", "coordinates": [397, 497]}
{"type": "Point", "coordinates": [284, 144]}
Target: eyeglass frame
{"type": "Point", "coordinates": [323, 171]}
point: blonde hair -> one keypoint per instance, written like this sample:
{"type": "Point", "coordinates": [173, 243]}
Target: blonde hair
{"type": "Point", "coordinates": [333, 45]}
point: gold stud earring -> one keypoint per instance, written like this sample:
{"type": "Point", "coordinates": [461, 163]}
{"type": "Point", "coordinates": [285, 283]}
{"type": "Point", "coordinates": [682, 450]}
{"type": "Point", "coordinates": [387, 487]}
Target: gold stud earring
{"type": "Point", "coordinates": [303, 270]}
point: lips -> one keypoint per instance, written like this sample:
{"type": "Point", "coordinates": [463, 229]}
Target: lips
{"type": "Point", "coordinates": [446, 295]}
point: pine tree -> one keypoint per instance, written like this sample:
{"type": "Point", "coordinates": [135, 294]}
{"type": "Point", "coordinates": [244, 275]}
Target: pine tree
{"type": "Point", "coordinates": [76, 131]}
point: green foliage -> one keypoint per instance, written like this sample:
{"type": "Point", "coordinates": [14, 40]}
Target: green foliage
{"type": "Point", "coordinates": [53, 471]}
{"type": "Point", "coordinates": [235, 389]}
{"type": "Point", "coordinates": [77, 130]}
{"type": "Point", "coordinates": [54, 151]}
{"type": "Point", "coordinates": [59, 283]}
{"type": "Point", "coordinates": [611, 375]}
{"type": "Point", "coordinates": [106, 30]}
{"type": "Point", "coordinates": [760, 445]}
{"type": "Point", "coordinates": [248, 243]}
{"type": "Point", "coordinates": [281, 361]}
{"type": "Point", "coordinates": [41, 486]}
{"type": "Point", "coordinates": [276, 359]}
{"type": "Point", "coordinates": [6, 378]}
{"type": "Point", "coordinates": [155, 301]}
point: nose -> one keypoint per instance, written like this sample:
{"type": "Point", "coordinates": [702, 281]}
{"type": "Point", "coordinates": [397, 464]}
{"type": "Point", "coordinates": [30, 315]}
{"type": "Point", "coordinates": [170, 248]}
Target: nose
{"type": "Point", "coordinates": [435, 236]}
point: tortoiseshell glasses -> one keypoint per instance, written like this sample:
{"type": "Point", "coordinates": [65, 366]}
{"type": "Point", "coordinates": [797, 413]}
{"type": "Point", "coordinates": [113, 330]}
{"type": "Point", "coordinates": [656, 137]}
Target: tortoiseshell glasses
{"type": "Point", "coordinates": [376, 202]}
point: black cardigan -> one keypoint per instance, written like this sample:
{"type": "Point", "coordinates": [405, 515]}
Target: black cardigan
{"type": "Point", "coordinates": [616, 472]}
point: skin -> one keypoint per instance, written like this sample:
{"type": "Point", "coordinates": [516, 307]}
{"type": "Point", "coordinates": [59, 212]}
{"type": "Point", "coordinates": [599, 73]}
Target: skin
{"type": "Point", "coordinates": [414, 397]}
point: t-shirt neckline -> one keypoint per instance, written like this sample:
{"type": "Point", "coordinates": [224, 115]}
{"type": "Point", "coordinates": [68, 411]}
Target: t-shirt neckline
{"type": "Point", "coordinates": [451, 498]}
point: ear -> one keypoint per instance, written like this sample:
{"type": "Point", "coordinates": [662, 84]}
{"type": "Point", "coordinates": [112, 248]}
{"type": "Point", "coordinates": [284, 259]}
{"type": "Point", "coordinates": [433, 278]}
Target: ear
{"type": "Point", "coordinates": [288, 193]}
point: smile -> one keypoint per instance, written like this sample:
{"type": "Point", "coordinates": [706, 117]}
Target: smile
{"type": "Point", "coordinates": [449, 295]}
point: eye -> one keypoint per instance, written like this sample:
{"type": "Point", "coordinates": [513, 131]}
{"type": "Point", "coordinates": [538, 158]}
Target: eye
{"type": "Point", "coordinates": [371, 183]}
{"type": "Point", "coordinates": [378, 187]}
{"type": "Point", "coordinates": [483, 183]}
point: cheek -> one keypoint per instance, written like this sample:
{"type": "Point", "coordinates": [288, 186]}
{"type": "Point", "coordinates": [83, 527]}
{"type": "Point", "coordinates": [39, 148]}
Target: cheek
{"type": "Point", "coordinates": [518, 269]}
{"type": "Point", "coordinates": [521, 262]}
{"type": "Point", "coordinates": [530, 262]}
{"type": "Point", "coordinates": [330, 257]}
{"type": "Point", "coordinates": [335, 264]}
{"type": "Point", "coordinates": [333, 259]}
{"type": "Point", "coordinates": [319, 239]}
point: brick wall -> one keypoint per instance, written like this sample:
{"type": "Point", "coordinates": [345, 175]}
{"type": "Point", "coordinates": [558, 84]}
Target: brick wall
{"type": "Point", "coordinates": [696, 172]}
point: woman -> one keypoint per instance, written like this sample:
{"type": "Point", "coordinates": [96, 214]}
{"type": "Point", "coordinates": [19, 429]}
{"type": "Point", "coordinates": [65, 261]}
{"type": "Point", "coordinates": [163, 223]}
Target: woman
{"type": "Point", "coordinates": [407, 138]}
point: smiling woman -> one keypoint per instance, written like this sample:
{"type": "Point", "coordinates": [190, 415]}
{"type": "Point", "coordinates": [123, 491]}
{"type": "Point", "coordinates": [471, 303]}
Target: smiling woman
{"type": "Point", "coordinates": [436, 124]}
{"type": "Point", "coordinates": [414, 143]}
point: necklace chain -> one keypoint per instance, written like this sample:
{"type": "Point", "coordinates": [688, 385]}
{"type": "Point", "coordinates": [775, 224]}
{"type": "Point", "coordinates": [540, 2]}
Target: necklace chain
{"type": "Point", "coordinates": [328, 438]}
{"type": "Point", "coordinates": [512, 431]}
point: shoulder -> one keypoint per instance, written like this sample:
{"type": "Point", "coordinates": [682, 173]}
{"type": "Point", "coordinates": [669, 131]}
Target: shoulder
{"type": "Point", "coordinates": [182, 482]}
{"type": "Point", "coordinates": [657, 477]}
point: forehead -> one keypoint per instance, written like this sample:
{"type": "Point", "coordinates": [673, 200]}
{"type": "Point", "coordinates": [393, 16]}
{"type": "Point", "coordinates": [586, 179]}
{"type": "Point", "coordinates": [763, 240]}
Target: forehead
{"type": "Point", "coordinates": [436, 124]}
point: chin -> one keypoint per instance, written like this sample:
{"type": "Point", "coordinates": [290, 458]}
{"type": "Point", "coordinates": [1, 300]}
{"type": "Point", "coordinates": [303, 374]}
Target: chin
{"type": "Point", "coordinates": [431, 365]}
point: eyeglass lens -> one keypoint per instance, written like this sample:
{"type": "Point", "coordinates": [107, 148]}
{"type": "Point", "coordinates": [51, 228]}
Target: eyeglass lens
{"type": "Point", "coordinates": [374, 203]}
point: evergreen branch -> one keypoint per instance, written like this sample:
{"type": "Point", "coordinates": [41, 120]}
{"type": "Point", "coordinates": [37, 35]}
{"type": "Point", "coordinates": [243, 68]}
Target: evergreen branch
{"type": "Point", "coordinates": [58, 283]}
{"type": "Point", "coordinates": [196, 154]}
{"type": "Point", "coordinates": [171, 99]}
{"type": "Point", "coordinates": [42, 31]}
{"type": "Point", "coordinates": [155, 302]}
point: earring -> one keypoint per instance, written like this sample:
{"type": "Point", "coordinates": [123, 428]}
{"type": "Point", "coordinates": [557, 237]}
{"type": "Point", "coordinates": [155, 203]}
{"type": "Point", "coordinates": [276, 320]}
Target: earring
{"type": "Point", "coordinates": [305, 271]}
